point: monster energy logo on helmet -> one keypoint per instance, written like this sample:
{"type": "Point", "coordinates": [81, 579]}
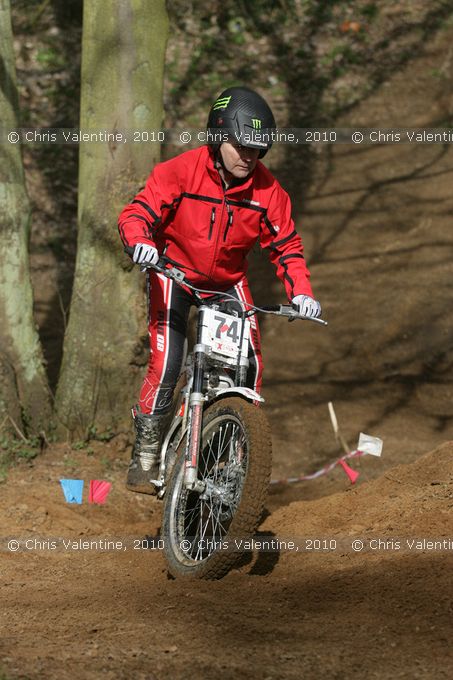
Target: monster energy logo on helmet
{"type": "Point", "coordinates": [221, 103]}
{"type": "Point", "coordinates": [239, 113]}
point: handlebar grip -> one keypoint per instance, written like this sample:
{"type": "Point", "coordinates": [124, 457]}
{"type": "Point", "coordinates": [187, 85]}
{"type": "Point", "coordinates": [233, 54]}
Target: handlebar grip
{"type": "Point", "coordinates": [160, 264]}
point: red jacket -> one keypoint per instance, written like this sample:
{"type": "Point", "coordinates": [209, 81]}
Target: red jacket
{"type": "Point", "coordinates": [184, 207]}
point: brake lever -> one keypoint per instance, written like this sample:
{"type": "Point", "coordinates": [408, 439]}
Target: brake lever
{"type": "Point", "coordinates": [293, 316]}
{"type": "Point", "coordinates": [309, 318]}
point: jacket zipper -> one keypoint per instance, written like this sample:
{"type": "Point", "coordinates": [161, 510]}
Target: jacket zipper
{"type": "Point", "coordinates": [229, 223]}
{"type": "Point", "coordinates": [211, 224]}
{"type": "Point", "coordinates": [216, 247]}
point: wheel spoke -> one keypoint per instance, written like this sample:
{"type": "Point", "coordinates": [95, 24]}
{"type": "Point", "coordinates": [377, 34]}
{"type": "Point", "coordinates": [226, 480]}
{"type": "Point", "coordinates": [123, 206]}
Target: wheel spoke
{"type": "Point", "coordinates": [200, 534]}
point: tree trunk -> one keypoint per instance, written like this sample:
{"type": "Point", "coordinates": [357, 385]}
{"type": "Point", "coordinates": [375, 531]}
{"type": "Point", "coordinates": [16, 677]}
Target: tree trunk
{"type": "Point", "coordinates": [123, 50]}
{"type": "Point", "coordinates": [24, 395]}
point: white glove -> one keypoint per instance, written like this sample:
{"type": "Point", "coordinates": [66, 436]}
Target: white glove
{"type": "Point", "coordinates": [145, 254]}
{"type": "Point", "coordinates": [306, 306]}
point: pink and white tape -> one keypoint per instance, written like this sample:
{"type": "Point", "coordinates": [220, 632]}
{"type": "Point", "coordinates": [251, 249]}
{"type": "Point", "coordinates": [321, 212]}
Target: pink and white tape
{"type": "Point", "coordinates": [352, 474]}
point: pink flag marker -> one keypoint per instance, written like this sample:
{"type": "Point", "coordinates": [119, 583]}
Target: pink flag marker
{"type": "Point", "coordinates": [352, 474]}
{"type": "Point", "coordinates": [99, 490]}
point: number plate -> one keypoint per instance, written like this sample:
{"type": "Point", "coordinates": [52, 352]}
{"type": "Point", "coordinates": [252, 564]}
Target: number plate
{"type": "Point", "coordinates": [222, 332]}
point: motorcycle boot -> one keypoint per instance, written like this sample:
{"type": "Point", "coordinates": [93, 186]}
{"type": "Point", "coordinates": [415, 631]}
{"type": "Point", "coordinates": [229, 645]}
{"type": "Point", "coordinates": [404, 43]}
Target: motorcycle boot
{"type": "Point", "coordinates": [145, 460]}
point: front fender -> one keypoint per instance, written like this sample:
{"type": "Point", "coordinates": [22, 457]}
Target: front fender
{"type": "Point", "coordinates": [246, 392]}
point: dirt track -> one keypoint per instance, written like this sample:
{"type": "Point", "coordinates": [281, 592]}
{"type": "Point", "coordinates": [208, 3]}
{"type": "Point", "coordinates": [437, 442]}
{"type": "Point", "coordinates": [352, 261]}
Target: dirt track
{"type": "Point", "coordinates": [382, 613]}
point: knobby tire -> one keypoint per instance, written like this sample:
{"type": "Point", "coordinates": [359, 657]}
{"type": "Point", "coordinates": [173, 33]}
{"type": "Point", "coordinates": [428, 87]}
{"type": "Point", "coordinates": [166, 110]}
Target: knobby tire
{"type": "Point", "coordinates": [240, 479]}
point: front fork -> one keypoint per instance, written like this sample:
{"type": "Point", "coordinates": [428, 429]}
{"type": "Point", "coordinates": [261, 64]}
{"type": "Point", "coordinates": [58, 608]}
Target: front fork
{"type": "Point", "coordinates": [194, 424]}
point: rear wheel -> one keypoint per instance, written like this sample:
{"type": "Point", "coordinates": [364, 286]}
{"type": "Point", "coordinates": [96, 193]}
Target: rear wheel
{"type": "Point", "coordinates": [235, 466]}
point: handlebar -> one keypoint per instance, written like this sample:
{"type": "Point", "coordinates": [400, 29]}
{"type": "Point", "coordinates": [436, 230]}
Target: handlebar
{"type": "Point", "coordinates": [180, 278]}
{"type": "Point", "coordinates": [290, 312]}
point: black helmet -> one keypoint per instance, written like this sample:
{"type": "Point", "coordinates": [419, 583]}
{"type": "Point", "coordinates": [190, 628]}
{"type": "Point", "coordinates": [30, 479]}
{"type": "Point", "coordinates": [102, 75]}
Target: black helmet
{"type": "Point", "coordinates": [242, 113]}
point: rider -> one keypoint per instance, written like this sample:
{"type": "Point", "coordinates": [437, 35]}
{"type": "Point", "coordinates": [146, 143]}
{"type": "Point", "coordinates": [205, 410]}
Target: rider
{"type": "Point", "coordinates": [206, 208]}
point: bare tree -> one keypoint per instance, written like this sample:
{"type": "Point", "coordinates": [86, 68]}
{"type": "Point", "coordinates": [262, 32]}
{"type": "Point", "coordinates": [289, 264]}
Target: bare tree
{"type": "Point", "coordinates": [123, 50]}
{"type": "Point", "coordinates": [24, 395]}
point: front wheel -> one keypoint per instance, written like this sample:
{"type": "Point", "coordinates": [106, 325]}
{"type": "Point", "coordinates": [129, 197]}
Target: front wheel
{"type": "Point", "coordinates": [202, 532]}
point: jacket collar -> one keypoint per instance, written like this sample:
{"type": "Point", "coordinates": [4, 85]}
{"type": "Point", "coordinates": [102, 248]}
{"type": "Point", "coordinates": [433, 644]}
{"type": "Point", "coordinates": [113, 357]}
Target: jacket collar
{"type": "Point", "coordinates": [214, 174]}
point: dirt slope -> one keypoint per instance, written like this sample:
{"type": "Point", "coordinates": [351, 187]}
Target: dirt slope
{"type": "Point", "coordinates": [379, 613]}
